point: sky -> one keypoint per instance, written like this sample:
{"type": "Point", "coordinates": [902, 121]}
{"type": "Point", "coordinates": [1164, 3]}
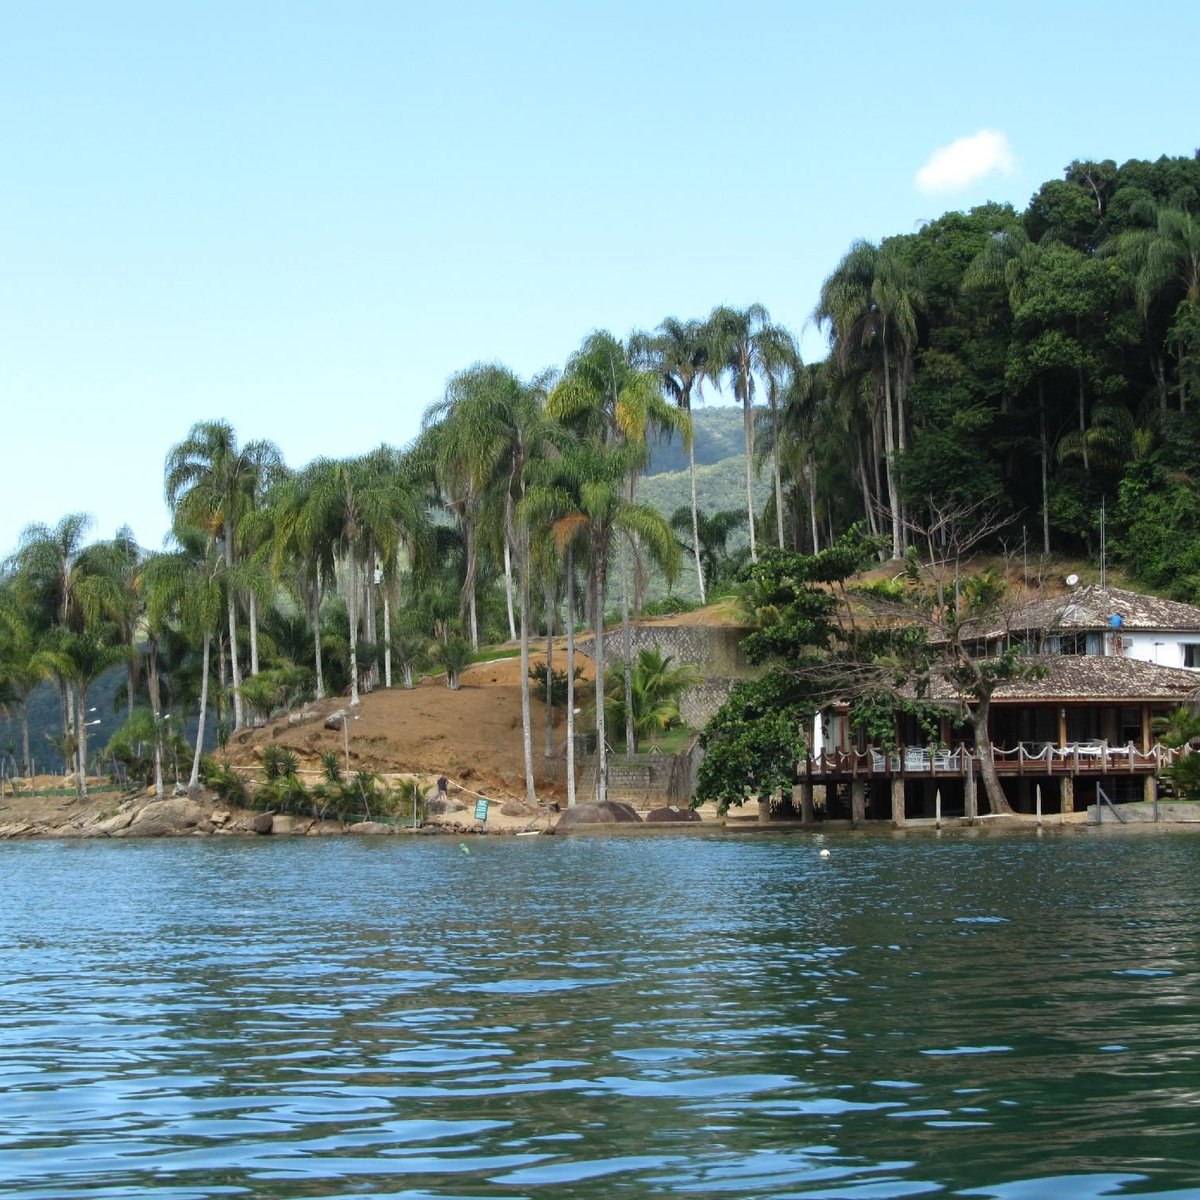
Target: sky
{"type": "Point", "coordinates": [303, 218]}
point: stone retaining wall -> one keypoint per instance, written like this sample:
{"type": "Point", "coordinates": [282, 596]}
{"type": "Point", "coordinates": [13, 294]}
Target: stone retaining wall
{"type": "Point", "coordinates": [715, 649]}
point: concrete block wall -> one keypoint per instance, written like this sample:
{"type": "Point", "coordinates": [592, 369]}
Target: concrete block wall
{"type": "Point", "coordinates": [715, 649]}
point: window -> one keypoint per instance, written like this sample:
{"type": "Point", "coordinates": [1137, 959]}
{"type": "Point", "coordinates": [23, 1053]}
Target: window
{"type": "Point", "coordinates": [1191, 654]}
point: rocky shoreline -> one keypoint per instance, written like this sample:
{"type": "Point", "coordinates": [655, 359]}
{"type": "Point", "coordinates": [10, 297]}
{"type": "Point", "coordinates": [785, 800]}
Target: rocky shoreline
{"type": "Point", "coordinates": [202, 816]}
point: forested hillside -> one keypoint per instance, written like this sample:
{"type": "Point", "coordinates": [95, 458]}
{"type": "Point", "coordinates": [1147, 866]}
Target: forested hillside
{"type": "Point", "coordinates": [1041, 366]}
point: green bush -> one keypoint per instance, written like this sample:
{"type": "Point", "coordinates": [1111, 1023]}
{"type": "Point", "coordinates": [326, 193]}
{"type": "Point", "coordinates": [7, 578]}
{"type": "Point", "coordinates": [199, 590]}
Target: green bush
{"type": "Point", "coordinates": [223, 781]}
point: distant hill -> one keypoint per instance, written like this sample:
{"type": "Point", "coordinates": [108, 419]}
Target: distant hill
{"type": "Point", "coordinates": [718, 435]}
{"type": "Point", "coordinates": [719, 485]}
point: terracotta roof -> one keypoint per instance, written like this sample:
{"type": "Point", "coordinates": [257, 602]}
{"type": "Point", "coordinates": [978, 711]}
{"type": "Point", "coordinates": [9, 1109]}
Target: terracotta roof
{"type": "Point", "coordinates": [1092, 607]}
{"type": "Point", "coordinates": [1093, 677]}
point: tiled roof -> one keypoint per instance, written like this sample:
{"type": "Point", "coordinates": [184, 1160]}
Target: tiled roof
{"type": "Point", "coordinates": [1093, 677]}
{"type": "Point", "coordinates": [1092, 607]}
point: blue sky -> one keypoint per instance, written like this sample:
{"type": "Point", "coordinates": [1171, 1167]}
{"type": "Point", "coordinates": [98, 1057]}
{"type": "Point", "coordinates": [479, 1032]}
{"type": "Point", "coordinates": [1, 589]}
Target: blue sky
{"type": "Point", "coordinates": [304, 217]}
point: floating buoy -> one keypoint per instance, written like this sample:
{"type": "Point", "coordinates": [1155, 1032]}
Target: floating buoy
{"type": "Point", "coordinates": [463, 847]}
{"type": "Point", "coordinates": [824, 853]}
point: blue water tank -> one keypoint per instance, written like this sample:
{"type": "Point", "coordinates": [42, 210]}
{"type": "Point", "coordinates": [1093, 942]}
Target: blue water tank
{"type": "Point", "coordinates": [1115, 621]}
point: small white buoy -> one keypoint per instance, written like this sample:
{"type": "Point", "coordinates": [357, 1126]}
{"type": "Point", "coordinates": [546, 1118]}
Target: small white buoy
{"type": "Point", "coordinates": [824, 853]}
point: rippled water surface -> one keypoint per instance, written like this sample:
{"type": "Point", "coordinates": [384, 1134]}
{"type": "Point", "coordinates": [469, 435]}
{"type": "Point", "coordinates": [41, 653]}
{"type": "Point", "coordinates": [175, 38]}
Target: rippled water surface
{"type": "Point", "coordinates": [585, 1017]}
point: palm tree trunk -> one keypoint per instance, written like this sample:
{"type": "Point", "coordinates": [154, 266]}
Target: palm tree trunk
{"type": "Point", "coordinates": [316, 620]}
{"type": "Point", "coordinates": [889, 451]}
{"type": "Point", "coordinates": [548, 751]}
{"type": "Point", "coordinates": [156, 709]}
{"type": "Point", "coordinates": [387, 640]}
{"type": "Point", "coordinates": [369, 623]}
{"type": "Point", "coordinates": [239, 718]}
{"type": "Point", "coordinates": [252, 619]}
{"type": "Point", "coordinates": [598, 642]}
{"type": "Point", "coordinates": [469, 583]}
{"type": "Point", "coordinates": [1045, 456]}
{"type": "Point", "coordinates": [526, 718]}
{"type": "Point", "coordinates": [868, 505]}
{"type": "Point", "coordinates": [775, 472]}
{"type": "Point", "coordinates": [811, 474]}
{"type": "Point", "coordinates": [508, 589]}
{"type": "Point", "coordinates": [194, 778]}
{"type": "Point", "coordinates": [570, 679]}
{"type": "Point", "coordinates": [696, 522]}
{"type": "Point", "coordinates": [627, 658]}
{"type": "Point", "coordinates": [352, 604]}
{"type": "Point", "coordinates": [748, 429]}
{"type": "Point", "coordinates": [25, 737]}
{"type": "Point", "coordinates": [1082, 420]}
{"type": "Point", "coordinates": [81, 741]}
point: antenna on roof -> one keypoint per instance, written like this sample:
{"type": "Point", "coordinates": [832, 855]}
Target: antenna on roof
{"type": "Point", "coordinates": [1103, 547]}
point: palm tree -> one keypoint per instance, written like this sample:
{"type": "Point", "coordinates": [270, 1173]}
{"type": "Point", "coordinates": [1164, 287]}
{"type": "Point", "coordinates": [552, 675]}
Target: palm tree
{"type": "Point", "coordinates": [1008, 261]}
{"type": "Point", "coordinates": [678, 351]}
{"type": "Point", "coordinates": [119, 564]}
{"type": "Point", "coordinates": [605, 398]}
{"type": "Point", "coordinates": [582, 494]}
{"type": "Point", "coordinates": [1166, 260]}
{"type": "Point", "coordinates": [714, 531]}
{"type": "Point", "coordinates": [467, 434]}
{"type": "Point", "coordinates": [870, 303]}
{"type": "Point", "coordinates": [18, 670]}
{"type": "Point", "coordinates": [743, 344]}
{"type": "Point", "coordinates": [657, 688]}
{"type": "Point", "coordinates": [79, 659]}
{"type": "Point", "coordinates": [781, 366]}
{"type": "Point", "coordinates": [51, 562]}
{"type": "Point", "coordinates": [210, 484]}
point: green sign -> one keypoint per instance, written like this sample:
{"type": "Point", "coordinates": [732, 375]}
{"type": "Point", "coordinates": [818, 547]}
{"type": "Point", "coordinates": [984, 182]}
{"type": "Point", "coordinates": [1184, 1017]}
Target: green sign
{"type": "Point", "coordinates": [481, 807]}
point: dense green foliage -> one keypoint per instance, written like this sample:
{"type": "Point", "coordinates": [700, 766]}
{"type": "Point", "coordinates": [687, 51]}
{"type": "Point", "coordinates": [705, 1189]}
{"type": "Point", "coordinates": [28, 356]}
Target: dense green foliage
{"type": "Point", "coordinates": [1045, 363]}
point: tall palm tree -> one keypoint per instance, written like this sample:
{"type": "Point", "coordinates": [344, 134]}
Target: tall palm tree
{"type": "Point", "coordinates": [210, 483]}
{"type": "Point", "coordinates": [738, 340]}
{"type": "Point", "coordinates": [781, 365]}
{"type": "Point", "coordinates": [583, 495]}
{"type": "Point", "coordinates": [79, 659]}
{"type": "Point", "coordinates": [18, 670]}
{"type": "Point", "coordinates": [605, 398]}
{"type": "Point", "coordinates": [399, 530]}
{"type": "Point", "coordinates": [870, 303]}
{"type": "Point", "coordinates": [51, 564]}
{"type": "Point", "coordinates": [1165, 259]}
{"type": "Point", "coordinates": [678, 351]}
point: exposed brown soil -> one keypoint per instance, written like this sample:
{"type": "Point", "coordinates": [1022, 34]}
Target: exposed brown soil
{"type": "Point", "coordinates": [473, 735]}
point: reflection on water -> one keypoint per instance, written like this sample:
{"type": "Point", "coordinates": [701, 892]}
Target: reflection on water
{"type": "Point", "coordinates": [652, 1016]}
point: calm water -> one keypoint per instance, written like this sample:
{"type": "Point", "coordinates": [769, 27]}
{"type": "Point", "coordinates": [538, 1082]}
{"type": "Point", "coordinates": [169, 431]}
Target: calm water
{"type": "Point", "coordinates": [624, 1017]}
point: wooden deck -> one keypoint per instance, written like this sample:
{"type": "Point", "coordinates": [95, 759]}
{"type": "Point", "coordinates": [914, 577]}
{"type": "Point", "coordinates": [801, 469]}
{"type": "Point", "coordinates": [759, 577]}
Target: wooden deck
{"type": "Point", "coordinates": [1086, 759]}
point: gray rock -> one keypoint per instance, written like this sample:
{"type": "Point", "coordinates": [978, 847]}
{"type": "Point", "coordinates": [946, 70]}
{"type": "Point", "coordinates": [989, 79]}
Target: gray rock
{"type": "Point", "coordinates": [168, 818]}
{"type": "Point", "coordinates": [672, 812]}
{"type": "Point", "coordinates": [611, 812]}
{"type": "Point", "coordinates": [372, 827]}
{"type": "Point", "coordinates": [263, 823]}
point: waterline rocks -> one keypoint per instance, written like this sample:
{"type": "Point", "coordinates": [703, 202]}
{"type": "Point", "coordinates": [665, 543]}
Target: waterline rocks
{"type": "Point", "coordinates": [610, 812]}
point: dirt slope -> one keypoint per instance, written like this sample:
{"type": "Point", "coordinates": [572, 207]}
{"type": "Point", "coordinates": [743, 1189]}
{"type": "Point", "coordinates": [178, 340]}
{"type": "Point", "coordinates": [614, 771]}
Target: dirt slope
{"type": "Point", "coordinates": [473, 734]}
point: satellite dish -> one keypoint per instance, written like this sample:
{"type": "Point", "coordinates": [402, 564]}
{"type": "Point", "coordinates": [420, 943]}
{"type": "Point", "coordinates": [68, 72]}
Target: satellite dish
{"type": "Point", "coordinates": [1072, 580]}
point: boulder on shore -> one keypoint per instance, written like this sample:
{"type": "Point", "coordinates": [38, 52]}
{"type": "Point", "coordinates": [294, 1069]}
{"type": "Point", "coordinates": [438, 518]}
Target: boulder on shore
{"type": "Point", "coordinates": [672, 812]}
{"type": "Point", "coordinates": [611, 812]}
{"type": "Point", "coordinates": [176, 817]}
{"type": "Point", "coordinates": [371, 827]}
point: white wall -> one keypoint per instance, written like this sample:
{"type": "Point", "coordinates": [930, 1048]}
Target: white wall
{"type": "Point", "coordinates": [1166, 649]}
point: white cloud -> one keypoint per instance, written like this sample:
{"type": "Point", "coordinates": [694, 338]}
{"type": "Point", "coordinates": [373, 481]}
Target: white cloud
{"type": "Point", "coordinates": [952, 167]}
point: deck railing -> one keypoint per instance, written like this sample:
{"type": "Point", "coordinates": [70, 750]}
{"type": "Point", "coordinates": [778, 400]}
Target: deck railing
{"type": "Point", "coordinates": [1074, 758]}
